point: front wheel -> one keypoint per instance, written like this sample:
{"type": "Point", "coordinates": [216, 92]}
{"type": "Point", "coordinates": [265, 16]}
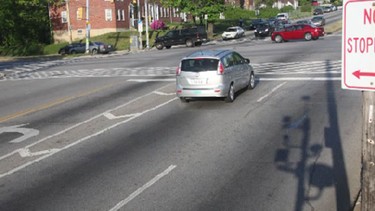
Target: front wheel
{"type": "Point", "coordinates": [94, 51]}
{"type": "Point", "coordinates": [308, 36]}
{"type": "Point", "coordinates": [230, 96]}
{"type": "Point", "coordinates": [189, 43]}
{"type": "Point", "coordinates": [278, 39]}
{"type": "Point", "coordinates": [251, 84]}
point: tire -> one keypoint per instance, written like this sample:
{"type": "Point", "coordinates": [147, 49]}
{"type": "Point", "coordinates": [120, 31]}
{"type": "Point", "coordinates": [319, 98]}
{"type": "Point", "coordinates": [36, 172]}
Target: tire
{"type": "Point", "coordinates": [159, 46]}
{"type": "Point", "coordinates": [308, 36]}
{"type": "Point", "coordinates": [184, 100]}
{"type": "Point", "coordinates": [278, 39]}
{"type": "Point", "coordinates": [61, 52]}
{"type": "Point", "coordinates": [168, 47]}
{"type": "Point", "coordinates": [189, 43]}
{"type": "Point", "coordinates": [94, 51]}
{"type": "Point", "coordinates": [251, 84]}
{"type": "Point", "coordinates": [231, 95]}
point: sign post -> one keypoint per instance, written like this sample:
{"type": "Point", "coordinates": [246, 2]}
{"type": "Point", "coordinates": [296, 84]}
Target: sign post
{"type": "Point", "coordinates": [358, 73]}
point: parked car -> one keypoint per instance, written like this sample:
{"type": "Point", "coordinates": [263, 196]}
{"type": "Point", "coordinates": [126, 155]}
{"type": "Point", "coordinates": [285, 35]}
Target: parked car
{"type": "Point", "coordinates": [318, 11]}
{"type": "Point", "coordinates": [233, 32]}
{"type": "Point", "coordinates": [282, 16]}
{"type": "Point", "coordinates": [255, 22]}
{"type": "Point", "coordinates": [298, 31]}
{"type": "Point", "coordinates": [71, 48]}
{"type": "Point", "coordinates": [305, 21]}
{"type": "Point", "coordinates": [264, 30]}
{"type": "Point", "coordinates": [190, 37]}
{"type": "Point", "coordinates": [80, 47]}
{"type": "Point", "coordinates": [318, 20]}
{"type": "Point", "coordinates": [213, 73]}
{"type": "Point", "coordinates": [100, 47]}
{"type": "Point", "coordinates": [327, 9]}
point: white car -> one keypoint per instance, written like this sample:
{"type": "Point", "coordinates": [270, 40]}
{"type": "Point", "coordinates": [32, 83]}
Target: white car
{"type": "Point", "coordinates": [233, 33]}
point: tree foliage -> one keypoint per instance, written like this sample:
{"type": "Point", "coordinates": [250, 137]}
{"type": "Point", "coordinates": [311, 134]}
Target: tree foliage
{"type": "Point", "coordinates": [197, 8]}
{"type": "Point", "coordinates": [24, 22]}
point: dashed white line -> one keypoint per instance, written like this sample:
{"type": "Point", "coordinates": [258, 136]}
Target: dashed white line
{"type": "Point", "coordinates": [272, 91]}
{"type": "Point", "coordinates": [142, 189]}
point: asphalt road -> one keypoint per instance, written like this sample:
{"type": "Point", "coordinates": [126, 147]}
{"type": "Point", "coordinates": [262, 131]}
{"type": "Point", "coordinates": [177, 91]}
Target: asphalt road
{"type": "Point", "coordinates": [107, 133]}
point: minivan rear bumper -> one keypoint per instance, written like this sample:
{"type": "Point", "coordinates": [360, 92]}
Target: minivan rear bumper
{"type": "Point", "coordinates": [201, 92]}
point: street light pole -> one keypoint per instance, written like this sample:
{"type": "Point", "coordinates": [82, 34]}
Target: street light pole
{"type": "Point", "coordinates": [87, 26]}
{"type": "Point", "coordinates": [139, 22]}
{"type": "Point", "coordinates": [146, 14]}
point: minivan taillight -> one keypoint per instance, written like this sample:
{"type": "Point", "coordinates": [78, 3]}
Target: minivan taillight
{"type": "Point", "coordinates": [178, 70]}
{"type": "Point", "coordinates": [220, 69]}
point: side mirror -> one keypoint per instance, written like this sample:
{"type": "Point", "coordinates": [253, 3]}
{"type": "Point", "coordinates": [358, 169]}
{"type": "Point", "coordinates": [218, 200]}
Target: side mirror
{"type": "Point", "coordinates": [247, 61]}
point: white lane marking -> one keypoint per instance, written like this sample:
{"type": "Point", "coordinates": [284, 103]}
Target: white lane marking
{"type": "Point", "coordinates": [302, 79]}
{"type": "Point", "coordinates": [111, 116]}
{"type": "Point", "coordinates": [272, 91]}
{"type": "Point", "coordinates": [26, 152]}
{"type": "Point", "coordinates": [143, 188]}
{"type": "Point", "coordinates": [152, 80]}
{"type": "Point", "coordinates": [26, 132]}
{"type": "Point", "coordinates": [78, 141]}
{"type": "Point", "coordinates": [163, 93]}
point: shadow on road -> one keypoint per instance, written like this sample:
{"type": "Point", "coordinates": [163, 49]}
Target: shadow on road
{"type": "Point", "coordinates": [313, 177]}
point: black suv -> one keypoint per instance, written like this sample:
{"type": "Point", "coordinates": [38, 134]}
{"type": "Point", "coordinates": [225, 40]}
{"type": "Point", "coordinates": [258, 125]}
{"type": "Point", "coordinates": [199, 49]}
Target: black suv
{"type": "Point", "coordinates": [190, 37]}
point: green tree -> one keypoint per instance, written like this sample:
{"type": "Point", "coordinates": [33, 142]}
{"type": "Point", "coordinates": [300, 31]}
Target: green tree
{"type": "Point", "coordinates": [197, 8]}
{"type": "Point", "coordinates": [24, 23]}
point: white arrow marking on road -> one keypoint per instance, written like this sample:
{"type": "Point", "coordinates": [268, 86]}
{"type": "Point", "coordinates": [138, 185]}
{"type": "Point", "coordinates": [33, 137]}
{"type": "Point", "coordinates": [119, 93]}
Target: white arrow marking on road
{"type": "Point", "coordinates": [26, 132]}
{"type": "Point", "coordinates": [111, 116]}
{"type": "Point", "coordinates": [26, 152]}
{"type": "Point", "coordinates": [163, 93]}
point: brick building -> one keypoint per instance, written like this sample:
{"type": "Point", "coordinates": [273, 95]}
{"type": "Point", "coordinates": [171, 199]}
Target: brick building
{"type": "Point", "coordinates": [69, 18]}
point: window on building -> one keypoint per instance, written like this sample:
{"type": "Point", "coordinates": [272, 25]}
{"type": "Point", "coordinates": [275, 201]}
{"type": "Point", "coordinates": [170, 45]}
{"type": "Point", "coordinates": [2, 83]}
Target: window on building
{"type": "Point", "coordinates": [64, 18]}
{"type": "Point", "coordinates": [120, 15]}
{"type": "Point", "coordinates": [80, 13]}
{"type": "Point", "coordinates": [108, 14]}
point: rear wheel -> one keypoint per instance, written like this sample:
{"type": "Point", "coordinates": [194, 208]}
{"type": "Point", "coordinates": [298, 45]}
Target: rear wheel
{"type": "Point", "coordinates": [189, 43]}
{"type": "Point", "coordinates": [159, 46]}
{"type": "Point", "coordinates": [278, 39]}
{"type": "Point", "coordinates": [230, 96]}
{"type": "Point", "coordinates": [308, 36]}
{"type": "Point", "coordinates": [184, 100]}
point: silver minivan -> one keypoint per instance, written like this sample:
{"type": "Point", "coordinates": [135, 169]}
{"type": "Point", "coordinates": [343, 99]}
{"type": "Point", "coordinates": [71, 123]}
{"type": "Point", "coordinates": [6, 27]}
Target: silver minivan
{"type": "Point", "coordinates": [213, 73]}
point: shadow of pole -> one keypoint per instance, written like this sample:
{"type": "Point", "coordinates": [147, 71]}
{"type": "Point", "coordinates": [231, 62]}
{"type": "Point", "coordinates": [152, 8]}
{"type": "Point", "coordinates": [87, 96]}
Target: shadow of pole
{"type": "Point", "coordinates": [333, 141]}
{"type": "Point", "coordinates": [313, 178]}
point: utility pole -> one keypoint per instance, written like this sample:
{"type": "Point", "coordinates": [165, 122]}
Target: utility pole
{"type": "Point", "coordinates": [368, 152]}
{"type": "Point", "coordinates": [139, 22]}
{"type": "Point", "coordinates": [87, 26]}
{"type": "Point", "coordinates": [146, 14]}
{"type": "Point", "coordinates": [68, 20]}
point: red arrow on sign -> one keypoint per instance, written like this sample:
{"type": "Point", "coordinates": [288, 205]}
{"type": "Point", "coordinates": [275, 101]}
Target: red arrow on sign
{"type": "Point", "coordinates": [358, 74]}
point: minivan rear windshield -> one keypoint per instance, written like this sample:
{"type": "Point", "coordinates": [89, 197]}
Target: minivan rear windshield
{"type": "Point", "coordinates": [198, 65]}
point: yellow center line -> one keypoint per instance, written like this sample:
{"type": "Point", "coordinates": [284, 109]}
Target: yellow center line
{"type": "Point", "coordinates": [53, 103]}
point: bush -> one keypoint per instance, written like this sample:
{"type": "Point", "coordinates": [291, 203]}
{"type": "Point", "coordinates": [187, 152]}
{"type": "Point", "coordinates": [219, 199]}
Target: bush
{"type": "Point", "coordinates": [157, 25]}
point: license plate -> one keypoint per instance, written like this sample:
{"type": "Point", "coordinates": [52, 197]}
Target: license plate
{"type": "Point", "coordinates": [198, 81]}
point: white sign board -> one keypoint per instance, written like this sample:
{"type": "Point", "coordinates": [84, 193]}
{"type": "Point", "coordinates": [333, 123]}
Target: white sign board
{"type": "Point", "coordinates": [358, 45]}
{"type": "Point", "coordinates": [140, 26]}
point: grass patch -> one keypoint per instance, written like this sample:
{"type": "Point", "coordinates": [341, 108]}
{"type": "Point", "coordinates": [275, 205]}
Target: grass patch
{"type": "Point", "coordinates": [333, 27]}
